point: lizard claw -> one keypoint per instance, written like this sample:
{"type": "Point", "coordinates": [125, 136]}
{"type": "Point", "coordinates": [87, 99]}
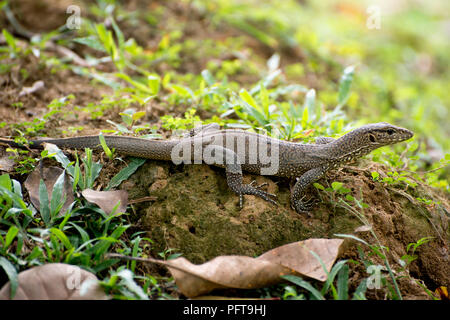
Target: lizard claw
{"type": "Point", "coordinates": [303, 206]}
{"type": "Point", "coordinates": [256, 191]}
{"type": "Point", "coordinates": [259, 186]}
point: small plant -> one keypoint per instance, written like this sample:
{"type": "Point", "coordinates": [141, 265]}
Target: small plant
{"type": "Point", "coordinates": [406, 259]}
{"type": "Point", "coordinates": [189, 121]}
{"type": "Point", "coordinates": [336, 284]}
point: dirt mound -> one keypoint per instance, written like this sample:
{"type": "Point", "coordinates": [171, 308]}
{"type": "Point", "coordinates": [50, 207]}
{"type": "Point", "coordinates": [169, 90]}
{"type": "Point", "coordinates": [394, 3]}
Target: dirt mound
{"type": "Point", "coordinates": [196, 213]}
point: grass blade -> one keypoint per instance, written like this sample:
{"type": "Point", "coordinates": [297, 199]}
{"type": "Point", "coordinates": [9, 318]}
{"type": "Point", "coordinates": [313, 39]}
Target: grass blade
{"type": "Point", "coordinates": [305, 285]}
{"type": "Point", "coordinates": [342, 283]}
{"type": "Point", "coordinates": [43, 203]}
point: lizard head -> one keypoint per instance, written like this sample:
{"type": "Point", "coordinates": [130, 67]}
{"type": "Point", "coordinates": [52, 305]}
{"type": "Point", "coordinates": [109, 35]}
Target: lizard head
{"type": "Point", "coordinates": [381, 134]}
{"type": "Point", "coordinates": [365, 139]}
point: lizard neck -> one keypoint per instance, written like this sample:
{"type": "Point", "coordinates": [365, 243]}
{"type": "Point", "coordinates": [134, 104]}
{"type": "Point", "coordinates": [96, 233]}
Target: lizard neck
{"type": "Point", "coordinates": [349, 147]}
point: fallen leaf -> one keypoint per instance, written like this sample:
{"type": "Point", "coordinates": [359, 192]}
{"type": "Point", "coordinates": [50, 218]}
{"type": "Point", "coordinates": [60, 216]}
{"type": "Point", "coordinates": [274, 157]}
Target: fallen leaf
{"type": "Point", "coordinates": [49, 175]}
{"type": "Point", "coordinates": [107, 200]}
{"type": "Point", "coordinates": [38, 85]}
{"type": "Point", "coordinates": [237, 272]}
{"type": "Point", "coordinates": [6, 163]}
{"type": "Point", "coordinates": [243, 272]}
{"type": "Point", "coordinates": [297, 256]}
{"type": "Point", "coordinates": [56, 281]}
{"type": "Point", "coordinates": [364, 228]}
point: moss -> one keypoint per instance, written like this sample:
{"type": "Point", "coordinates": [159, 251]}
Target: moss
{"type": "Point", "coordinates": [198, 215]}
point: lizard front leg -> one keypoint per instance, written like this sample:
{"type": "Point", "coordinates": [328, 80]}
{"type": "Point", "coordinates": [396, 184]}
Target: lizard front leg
{"type": "Point", "coordinates": [218, 155]}
{"type": "Point", "coordinates": [300, 187]}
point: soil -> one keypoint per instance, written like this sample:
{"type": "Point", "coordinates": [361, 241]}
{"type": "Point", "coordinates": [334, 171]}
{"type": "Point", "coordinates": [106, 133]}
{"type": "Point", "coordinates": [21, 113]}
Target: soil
{"type": "Point", "coordinates": [193, 210]}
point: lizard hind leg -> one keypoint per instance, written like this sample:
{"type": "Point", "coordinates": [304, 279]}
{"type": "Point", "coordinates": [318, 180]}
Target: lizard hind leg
{"type": "Point", "coordinates": [230, 160]}
{"type": "Point", "coordinates": [234, 181]}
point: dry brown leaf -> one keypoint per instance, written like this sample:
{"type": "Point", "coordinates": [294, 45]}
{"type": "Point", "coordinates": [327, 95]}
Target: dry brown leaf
{"type": "Point", "coordinates": [363, 228]}
{"type": "Point", "coordinates": [6, 163]}
{"type": "Point", "coordinates": [38, 85]}
{"type": "Point", "coordinates": [243, 272]}
{"type": "Point", "coordinates": [49, 175]}
{"type": "Point", "coordinates": [237, 272]}
{"type": "Point", "coordinates": [56, 281]}
{"type": "Point", "coordinates": [297, 256]}
{"type": "Point", "coordinates": [107, 200]}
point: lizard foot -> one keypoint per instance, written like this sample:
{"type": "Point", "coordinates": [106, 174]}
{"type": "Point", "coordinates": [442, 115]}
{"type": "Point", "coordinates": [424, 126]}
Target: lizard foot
{"type": "Point", "coordinates": [256, 191]}
{"type": "Point", "coordinates": [303, 206]}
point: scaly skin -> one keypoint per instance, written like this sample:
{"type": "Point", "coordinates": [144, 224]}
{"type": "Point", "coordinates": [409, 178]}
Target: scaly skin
{"type": "Point", "coordinates": [306, 162]}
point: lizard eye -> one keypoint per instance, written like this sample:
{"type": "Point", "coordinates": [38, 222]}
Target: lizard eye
{"type": "Point", "coordinates": [371, 138]}
{"type": "Point", "coordinates": [390, 132]}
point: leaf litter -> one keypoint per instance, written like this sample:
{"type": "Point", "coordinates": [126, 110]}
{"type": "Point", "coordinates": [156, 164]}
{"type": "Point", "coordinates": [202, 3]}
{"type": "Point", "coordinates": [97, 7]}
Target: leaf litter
{"type": "Point", "coordinates": [55, 281]}
{"type": "Point", "coordinates": [242, 272]}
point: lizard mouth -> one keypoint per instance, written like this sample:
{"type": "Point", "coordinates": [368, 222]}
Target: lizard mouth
{"type": "Point", "coordinates": [406, 134]}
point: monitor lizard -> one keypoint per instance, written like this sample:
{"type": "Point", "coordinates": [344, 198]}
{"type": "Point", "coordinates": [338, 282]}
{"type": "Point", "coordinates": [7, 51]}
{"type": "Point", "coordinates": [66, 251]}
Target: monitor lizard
{"type": "Point", "coordinates": [239, 150]}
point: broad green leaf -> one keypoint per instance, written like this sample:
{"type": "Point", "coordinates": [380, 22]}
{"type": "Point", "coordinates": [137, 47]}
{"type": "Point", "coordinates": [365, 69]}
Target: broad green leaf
{"type": "Point", "coordinates": [336, 185]}
{"type": "Point", "coordinates": [305, 117]}
{"type": "Point", "coordinates": [17, 188]}
{"type": "Point", "coordinates": [249, 99]}
{"type": "Point", "coordinates": [342, 283]}
{"type": "Point", "coordinates": [310, 102]}
{"type": "Point", "coordinates": [44, 203]}
{"type": "Point", "coordinates": [5, 181]}
{"type": "Point", "coordinates": [137, 115]}
{"type": "Point", "coordinates": [360, 291]}
{"type": "Point", "coordinates": [92, 42]}
{"type": "Point", "coordinates": [138, 85]}
{"type": "Point", "coordinates": [11, 272]}
{"type": "Point", "coordinates": [304, 284]}
{"type": "Point", "coordinates": [119, 34]}
{"type": "Point", "coordinates": [105, 147]}
{"type": "Point", "coordinates": [209, 78]}
{"type": "Point", "coordinates": [92, 169]}
{"type": "Point", "coordinates": [258, 116]}
{"type": "Point", "coordinates": [76, 176]}
{"type": "Point", "coordinates": [61, 158]}
{"type": "Point", "coordinates": [183, 91]}
{"type": "Point", "coordinates": [10, 235]}
{"type": "Point", "coordinates": [62, 237]}
{"type": "Point", "coordinates": [345, 84]}
{"type": "Point", "coordinates": [125, 172]}
{"type": "Point", "coordinates": [318, 186]}
{"type": "Point", "coordinates": [264, 97]}
{"type": "Point", "coordinates": [332, 275]}
{"type": "Point", "coordinates": [58, 198]}
{"type": "Point", "coordinates": [84, 235]}
{"type": "Point", "coordinates": [153, 83]}
{"type": "Point", "coordinates": [10, 40]}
